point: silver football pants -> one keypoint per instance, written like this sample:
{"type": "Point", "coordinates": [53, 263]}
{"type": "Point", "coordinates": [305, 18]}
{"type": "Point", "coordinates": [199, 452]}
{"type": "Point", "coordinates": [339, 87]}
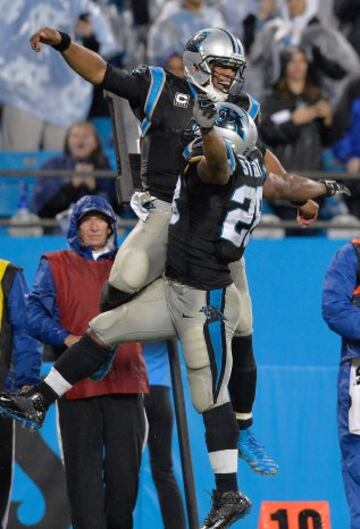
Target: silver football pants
{"type": "Point", "coordinates": [141, 259]}
{"type": "Point", "coordinates": [204, 321]}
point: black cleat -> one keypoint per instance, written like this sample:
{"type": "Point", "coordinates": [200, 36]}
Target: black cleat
{"type": "Point", "coordinates": [227, 507]}
{"type": "Point", "coordinates": [29, 409]}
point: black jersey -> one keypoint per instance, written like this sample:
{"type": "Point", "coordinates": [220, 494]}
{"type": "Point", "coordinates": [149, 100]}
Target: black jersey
{"type": "Point", "coordinates": [162, 145]}
{"type": "Point", "coordinates": [211, 224]}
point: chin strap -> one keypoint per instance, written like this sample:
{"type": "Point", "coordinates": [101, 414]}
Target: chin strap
{"type": "Point", "coordinates": [213, 94]}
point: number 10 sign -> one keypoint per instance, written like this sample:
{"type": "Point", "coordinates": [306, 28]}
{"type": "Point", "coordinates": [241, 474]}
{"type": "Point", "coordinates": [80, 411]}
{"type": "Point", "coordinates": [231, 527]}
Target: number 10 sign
{"type": "Point", "coordinates": [294, 515]}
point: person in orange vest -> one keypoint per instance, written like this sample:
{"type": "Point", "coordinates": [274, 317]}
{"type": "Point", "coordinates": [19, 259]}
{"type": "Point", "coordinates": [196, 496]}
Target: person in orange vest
{"type": "Point", "coordinates": [102, 422]}
{"type": "Point", "coordinates": [20, 360]}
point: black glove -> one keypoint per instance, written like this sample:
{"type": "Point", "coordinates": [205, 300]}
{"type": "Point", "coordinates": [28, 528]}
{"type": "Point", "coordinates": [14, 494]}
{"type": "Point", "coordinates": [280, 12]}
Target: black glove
{"type": "Point", "coordinates": [333, 187]}
{"type": "Point", "coordinates": [204, 111]}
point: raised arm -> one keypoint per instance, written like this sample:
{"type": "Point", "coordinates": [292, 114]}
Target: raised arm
{"type": "Point", "coordinates": [287, 186]}
{"type": "Point", "coordinates": [83, 61]}
{"type": "Point", "coordinates": [300, 188]}
{"type": "Point", "coordinates": [213, 168]}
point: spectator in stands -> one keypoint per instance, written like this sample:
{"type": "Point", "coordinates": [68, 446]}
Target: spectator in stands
{"type": "Point", "coordinates": [332, 57]}
{"type": "Point", "coordinates": [102, 423]}
{"type": "Point", "coordinates": [20, 361]}
{"type": "Point", "coordinates": [41, 96]}
{"type": "Point", "coordinates": [348, 12]}
{"type": "Point", "coordinates": [296, 119]}
{"type": "Point", "coordinates": [82, 154]}
{"type": "Point", "coordinates": [169, 35]}
{"type": "Point", "coordinates": [248, 20]}
{"type": "Point", "coordinates": [160, 416]}
{"type": "Point", "coordinates": [347, 147]}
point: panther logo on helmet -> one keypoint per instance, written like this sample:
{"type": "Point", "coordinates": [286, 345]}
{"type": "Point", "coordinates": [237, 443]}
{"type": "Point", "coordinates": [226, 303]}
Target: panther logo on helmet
{"type": "Point", "coordinates": [233, 123]}
{"type": "Point", "coordinates": [227, 118]}
{"type": "Point", "coordinates": [195, 42]}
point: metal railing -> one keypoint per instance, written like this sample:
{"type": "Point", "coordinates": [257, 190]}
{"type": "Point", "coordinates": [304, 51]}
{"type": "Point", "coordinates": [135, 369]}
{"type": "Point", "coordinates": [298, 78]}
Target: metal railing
{"type": "Point", "coordinates": [109, 173]}
{"type": "Point", "coordinates": [124, 223]}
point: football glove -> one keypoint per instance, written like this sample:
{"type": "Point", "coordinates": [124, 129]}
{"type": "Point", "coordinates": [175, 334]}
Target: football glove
{"type": "Point", "coordinates": [204, 111]}
{"type": "Point", "coordinates": [333, 187]}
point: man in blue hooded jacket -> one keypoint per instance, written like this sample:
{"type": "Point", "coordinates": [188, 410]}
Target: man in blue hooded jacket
{"type": "Point", "coordinates": [341, 311]}
{"type": "Point", "coordinates": [101, 421]}
{"type": "Point", "coordinates": [20, 360]}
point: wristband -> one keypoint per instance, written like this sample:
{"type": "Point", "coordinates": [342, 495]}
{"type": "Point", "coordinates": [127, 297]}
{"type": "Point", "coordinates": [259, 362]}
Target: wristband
{"type": "Point", "coordinates": [298, 203]}
{"type": "Point", "coordinates": [64, 43]}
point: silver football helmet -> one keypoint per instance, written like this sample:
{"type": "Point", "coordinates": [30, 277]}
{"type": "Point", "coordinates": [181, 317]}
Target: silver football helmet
{"type": "Point", "coordinates": [237, 128]}
{"type": "Point", "coordinates": [233, 123]}
{"type": "Point", "coordinates": [213, 45]}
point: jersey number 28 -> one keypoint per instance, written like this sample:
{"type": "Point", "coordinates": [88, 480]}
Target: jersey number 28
{"type": "Point", "coordinates": [240, 221]}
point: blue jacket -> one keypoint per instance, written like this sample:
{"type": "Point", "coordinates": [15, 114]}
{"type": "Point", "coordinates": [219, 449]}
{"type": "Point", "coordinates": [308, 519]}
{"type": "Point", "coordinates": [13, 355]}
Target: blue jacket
{"type": "Point", "coordinates": [349, 145]}
{"type": "Point", "coordinates": [43, 313]}
{"type": "Point", "coordinates": [26, 352]}
{"type": "Point", "coordinates": [341, 315]}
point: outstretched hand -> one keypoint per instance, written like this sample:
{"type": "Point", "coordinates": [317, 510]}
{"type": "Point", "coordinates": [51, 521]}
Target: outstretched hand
{"type": "Point", "coordinates": [332, 187]}
{"type": "Point", "coordinates": [44, 35]}
{"type": "Point", "coordinates": [307, 214]}
{"type": "Point", "coordinates": [204, 111]}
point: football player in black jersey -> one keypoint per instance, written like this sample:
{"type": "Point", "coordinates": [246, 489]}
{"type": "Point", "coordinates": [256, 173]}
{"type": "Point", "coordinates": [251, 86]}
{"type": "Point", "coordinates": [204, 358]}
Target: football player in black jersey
{"type": "Point", "coordinates": [214, 63]}
{"type": "Point", "coordinates": [216, 206]}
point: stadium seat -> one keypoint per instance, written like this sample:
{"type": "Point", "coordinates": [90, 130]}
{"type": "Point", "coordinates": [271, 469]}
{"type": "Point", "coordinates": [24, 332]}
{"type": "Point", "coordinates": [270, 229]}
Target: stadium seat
{"type": "Point", "coordinates": [11, 186]}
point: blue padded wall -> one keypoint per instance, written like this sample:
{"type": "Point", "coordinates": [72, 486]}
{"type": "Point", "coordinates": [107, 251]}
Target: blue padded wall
{"type": "Point", "coordinates": [295, 412]}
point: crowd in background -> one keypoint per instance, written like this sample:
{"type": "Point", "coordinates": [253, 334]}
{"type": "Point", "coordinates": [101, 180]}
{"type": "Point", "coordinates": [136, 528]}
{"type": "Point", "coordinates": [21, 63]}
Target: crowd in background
{"type": "Point", "coordinates": [302, 64]}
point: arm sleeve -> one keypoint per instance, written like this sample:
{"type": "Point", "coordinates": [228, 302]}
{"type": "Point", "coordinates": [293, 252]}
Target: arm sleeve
{"type": "Point", "coordinates": [26, 351]}
{"type": "Point", "coordinates": [133, 87]}
{"type": "Point", "coordinates": [43, 313]}
{"type": "Point", "coordinates": [341, 315]}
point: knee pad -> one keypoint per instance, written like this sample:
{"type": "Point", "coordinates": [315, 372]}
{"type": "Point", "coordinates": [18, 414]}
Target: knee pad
{"type": "Point", "coordinates": [201, 387]}
{"type": "Point", "coordinates": [200, 382]}
{"type": "Point", "coordinates": [130, 270]}
{"type": "Point", "coordinates": [106, 325]}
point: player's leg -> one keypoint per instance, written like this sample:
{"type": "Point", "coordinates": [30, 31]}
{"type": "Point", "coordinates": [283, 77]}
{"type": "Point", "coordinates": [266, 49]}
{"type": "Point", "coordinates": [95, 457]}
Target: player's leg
{"type": "Point", "coordinates": [242, 385]}
{"type": "Point", "coordinates": [145, 318]}
{"type": "Point", "coordinates": [205, 322]}
{"type": "Point", "coordinates": [81, 436]}
{"type": "Point", "coordinates": [159, 412]}
{"type": "Point", "coordinates": [140, 259]}
{"type": "Point", "coordinates": [350, 447]}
